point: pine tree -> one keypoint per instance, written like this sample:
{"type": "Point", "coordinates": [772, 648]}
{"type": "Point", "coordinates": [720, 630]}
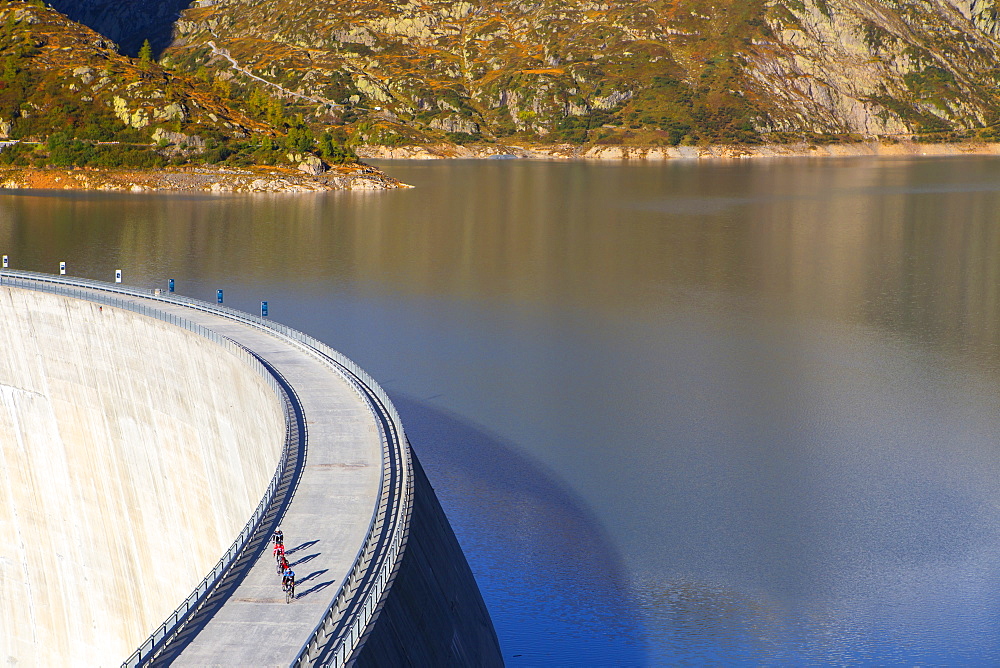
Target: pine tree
{"type": "Point", "coordinates": [326, 146]}
{"type": "Point", "coordinates": [276, 113]}
{"type": "Point", "coordinates": [257, 104]}
{"type": "Point", "coordinates": [146, 53]}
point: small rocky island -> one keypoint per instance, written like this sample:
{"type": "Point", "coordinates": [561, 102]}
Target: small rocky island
{"type": "Point", "coordinates": [356, 176]}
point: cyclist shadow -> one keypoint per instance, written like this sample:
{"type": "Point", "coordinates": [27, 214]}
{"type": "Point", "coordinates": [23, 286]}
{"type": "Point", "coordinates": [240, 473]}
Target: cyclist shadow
{"type": "Point", "coordinates": [311, 576]}
{"type": "Point", "coordinates": [301, 547]}
{"type": "Point", "coordinates": [316, 588]}
{"type": "Point", "coordinates": [304, 559]}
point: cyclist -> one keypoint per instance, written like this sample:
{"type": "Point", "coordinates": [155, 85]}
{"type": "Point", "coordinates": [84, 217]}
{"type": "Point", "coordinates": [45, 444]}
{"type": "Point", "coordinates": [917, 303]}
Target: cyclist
{"type": "Point", "coordinates": [278, 537]}
{"type": "Point", "coordinates": [279, 551]}
{"type": "Point", "coordinates": [288, 579]}
{"type": "Point", "coordinates": [282, 564]}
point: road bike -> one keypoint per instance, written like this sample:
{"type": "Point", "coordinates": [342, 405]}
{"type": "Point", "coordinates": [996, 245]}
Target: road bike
{"type": "Point", "coordinates": [277, 558]}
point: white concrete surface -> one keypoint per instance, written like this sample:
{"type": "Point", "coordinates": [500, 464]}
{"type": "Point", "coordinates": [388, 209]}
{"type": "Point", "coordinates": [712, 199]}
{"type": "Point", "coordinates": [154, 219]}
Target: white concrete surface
{"type": "Point", "coordinates": [132, 453]}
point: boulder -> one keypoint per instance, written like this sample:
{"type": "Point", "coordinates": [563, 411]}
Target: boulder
{"type": "Point", "coordinates": [312, 165]}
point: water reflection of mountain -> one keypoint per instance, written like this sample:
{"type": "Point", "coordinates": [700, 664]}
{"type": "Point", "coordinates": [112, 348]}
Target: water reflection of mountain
{"type": "Point", "coordinates": [905, 245]}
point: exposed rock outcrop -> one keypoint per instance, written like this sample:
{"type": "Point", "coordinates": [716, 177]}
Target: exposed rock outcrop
{"type": "Point", "coordinates": [853, 67]}
{"type": "Point", "coordinates": [309, 164]}
{"type": "Point", "coordinates": [682, 73]}
{"type": "Point", "coordinates": [178, 139]}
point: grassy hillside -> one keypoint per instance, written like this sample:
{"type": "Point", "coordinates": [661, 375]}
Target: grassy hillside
{"type": "Point", "coordinates": [73, 100]}
{"type": "Point", "coordinates": [277, 81]}
{"type": "Point", "coordinates": [618, 71]}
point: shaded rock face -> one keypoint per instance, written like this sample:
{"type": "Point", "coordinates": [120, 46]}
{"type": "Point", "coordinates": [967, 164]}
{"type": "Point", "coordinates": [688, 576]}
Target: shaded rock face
{"type": "Point", "coordinates": [127, 22]}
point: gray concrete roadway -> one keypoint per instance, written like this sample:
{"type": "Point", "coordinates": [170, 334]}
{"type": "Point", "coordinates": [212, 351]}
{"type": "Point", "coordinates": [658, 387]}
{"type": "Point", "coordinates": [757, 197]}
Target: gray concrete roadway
{"type": "Point", "coordinates": [324, 525]}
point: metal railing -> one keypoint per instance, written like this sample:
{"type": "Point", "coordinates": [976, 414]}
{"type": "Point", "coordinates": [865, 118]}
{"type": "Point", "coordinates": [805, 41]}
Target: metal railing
{"type": "Point", "coordinates": [347, 620]}
{"type": "Point", "coordinates": [357, 600]}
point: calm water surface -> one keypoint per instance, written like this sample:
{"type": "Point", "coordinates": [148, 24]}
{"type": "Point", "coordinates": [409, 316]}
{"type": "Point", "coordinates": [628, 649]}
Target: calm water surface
{"type": "Point", "coordinates": [729, 413]}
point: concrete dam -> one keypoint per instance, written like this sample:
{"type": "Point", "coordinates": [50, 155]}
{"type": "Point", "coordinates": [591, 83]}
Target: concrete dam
{"type": "Point", "coordinates": [149, 446]}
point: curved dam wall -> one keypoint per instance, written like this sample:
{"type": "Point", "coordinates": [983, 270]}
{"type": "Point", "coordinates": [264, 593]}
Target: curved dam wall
{"type": "Point", "coordinates": [131, 454]}
{"type": "Point", "coordinates": [433, 614]}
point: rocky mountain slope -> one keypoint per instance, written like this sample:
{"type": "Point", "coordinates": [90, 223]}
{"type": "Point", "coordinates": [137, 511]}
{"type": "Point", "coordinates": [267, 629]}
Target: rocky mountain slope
{"type": "Point", "coordinates": [70, 99]}
{"type": "Point", "coordinates": [611, 71]}
{"type": "Point", "coordinates": [57, 76]}
{"type": "Point", "coordinates": [880, 67]}
{"type": "Point", "coordinates": [659, 72]}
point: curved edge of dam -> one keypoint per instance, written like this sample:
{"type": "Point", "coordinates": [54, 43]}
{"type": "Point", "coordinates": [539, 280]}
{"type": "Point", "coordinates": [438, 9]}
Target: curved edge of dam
{"type": "Point", "coordinates": [409, 597]}
{"type": "Point", "coordinates": [109, 443]}
{"type": "Point", "coordinates": [435, 598]}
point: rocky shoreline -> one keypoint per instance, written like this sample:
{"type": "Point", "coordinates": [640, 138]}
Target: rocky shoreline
{"type": "Point", "coordinates": [200, 179]}
{"type": "Point", "coordinates": [360, 176]}
{"type": "Point", "coordinates": [613, 153]}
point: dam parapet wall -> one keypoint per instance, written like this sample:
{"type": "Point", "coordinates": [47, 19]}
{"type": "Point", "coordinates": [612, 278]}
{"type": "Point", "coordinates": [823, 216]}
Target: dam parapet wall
{"type": "Point", "coordinates": [126, 471]}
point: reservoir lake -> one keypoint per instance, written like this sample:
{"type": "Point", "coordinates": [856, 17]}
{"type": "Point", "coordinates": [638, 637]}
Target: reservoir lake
{"type": "Point", "coordinates": [682, 413]}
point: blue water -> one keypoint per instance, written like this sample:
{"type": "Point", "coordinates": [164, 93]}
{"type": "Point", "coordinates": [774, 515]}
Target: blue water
{"type": "Point", "coordinates": [688, 414]}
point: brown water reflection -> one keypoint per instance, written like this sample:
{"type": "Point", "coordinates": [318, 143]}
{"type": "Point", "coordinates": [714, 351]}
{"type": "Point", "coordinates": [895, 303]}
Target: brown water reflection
{"type": "Point", "coordinates": [908, 245]}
